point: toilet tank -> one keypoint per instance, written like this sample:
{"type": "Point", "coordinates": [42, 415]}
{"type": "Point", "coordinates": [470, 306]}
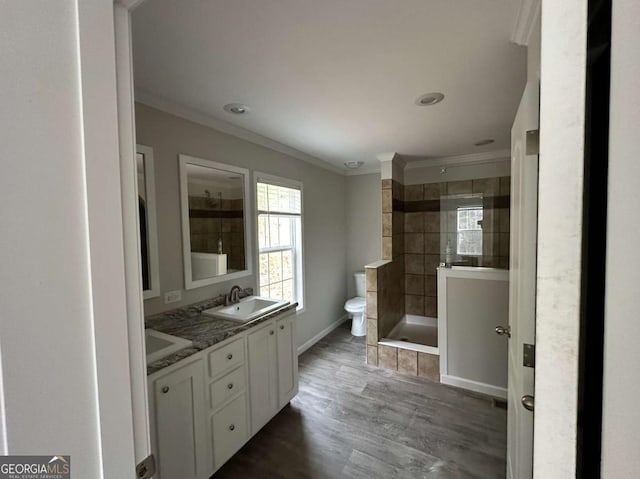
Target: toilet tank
{"type": "Point", "coordinates": [361, 288]}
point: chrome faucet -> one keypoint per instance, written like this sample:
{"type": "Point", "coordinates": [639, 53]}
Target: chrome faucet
{"type": "Point", "coordinates": [234, 295]}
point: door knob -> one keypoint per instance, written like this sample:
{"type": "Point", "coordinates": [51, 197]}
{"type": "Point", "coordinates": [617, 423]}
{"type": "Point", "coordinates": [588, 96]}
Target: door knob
{"type": "Point", "coordinates": [503, 331]}
{"type": "Point", "coordinates": [528, 402]}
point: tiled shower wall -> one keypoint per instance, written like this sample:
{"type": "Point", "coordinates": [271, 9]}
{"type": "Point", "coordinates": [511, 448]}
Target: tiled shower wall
{"type": "Point", "coordinates": [209, 221]}
{"type": "Point", "coordinates": [428, 225]}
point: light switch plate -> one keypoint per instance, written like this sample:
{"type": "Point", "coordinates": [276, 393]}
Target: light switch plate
{"type": "Point", "coordinates": [172, 296]}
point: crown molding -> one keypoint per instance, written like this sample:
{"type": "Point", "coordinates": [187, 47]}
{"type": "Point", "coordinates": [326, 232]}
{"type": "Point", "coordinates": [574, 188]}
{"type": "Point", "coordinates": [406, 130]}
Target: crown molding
{"type": "Point", "coordinates": [525, 22]}
{"type": "Point", "coordinates": [473, 158]}
{"type": "Point", "coordinates": [204, 119]}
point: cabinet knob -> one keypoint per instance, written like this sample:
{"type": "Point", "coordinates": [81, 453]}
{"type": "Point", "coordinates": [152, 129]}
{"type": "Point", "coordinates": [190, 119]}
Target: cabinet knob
{"type": "Point", "coordinates": [232, 427]}
{"type": "Point", "coordinates": [282, 326]}
{"type": "Point", "coordinates": [230, 386]}
{"type": "Point", "coordinates": [271, 332]}
{"type": "Point", "coordinates": [165, 389]}
{"type": "Point", "coordinates": [229, 356]}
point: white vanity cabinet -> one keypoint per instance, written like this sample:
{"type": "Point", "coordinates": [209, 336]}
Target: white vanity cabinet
{"type": "Point", "coordinates": [177, 406]}
{"type": "Point", "coordinates": [273, 369]}
{"type": "Point", "coordinates": [204, 411]}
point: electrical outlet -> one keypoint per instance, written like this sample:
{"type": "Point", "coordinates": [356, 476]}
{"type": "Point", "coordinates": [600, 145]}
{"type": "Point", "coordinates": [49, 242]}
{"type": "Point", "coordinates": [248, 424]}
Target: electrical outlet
{"type": "Point", "coordinates": [172, 296]}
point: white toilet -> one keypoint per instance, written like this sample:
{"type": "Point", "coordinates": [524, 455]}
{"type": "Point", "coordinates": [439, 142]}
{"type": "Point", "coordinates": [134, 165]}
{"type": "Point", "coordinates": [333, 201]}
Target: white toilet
{"type": "Point", "coordinates": [356, 307]}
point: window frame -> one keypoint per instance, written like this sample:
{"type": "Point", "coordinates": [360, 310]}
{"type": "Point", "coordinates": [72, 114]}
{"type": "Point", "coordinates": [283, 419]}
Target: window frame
{"type": "Point", "coordinates": [298, 243]}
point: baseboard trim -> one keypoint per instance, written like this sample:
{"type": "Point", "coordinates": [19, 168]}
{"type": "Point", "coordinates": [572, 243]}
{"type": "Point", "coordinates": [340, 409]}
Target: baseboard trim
{"type": "Point", "coordinates": [303, 347]}
{"type": "Point", "coordinates": [475, 386]}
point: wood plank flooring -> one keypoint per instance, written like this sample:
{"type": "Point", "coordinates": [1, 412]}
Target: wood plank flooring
{"type": "Point", "coordinates": [351, 420]}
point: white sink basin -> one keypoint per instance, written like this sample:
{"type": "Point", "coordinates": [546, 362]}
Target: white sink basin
{"type": "Point", "coordinates": [247, 309]}
{"type": "Point", "coordinates": [160, 345]}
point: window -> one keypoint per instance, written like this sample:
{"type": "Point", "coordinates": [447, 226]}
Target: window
{"type": "Point", "coordinates": [469, 231]}
{"type": "Point", "coordinates": [279, 206]}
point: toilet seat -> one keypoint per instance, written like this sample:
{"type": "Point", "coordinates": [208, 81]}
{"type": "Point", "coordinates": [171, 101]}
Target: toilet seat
{"type": "Point", "coordinates": [355, 305]}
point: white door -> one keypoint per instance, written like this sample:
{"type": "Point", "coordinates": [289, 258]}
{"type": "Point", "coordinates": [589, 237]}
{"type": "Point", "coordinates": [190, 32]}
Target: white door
{"type": "Point", "coordinates": [522, 286]}
{"type": "Point", "coordinates": [263, 375]}
{"type": "Point", "coordinates": [179, 406]}
{"type": "Point", "coordinates": [287, 361]}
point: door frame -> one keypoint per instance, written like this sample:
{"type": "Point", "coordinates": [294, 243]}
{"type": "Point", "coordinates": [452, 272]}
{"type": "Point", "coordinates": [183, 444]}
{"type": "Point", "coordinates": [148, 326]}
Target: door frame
{"type": "Point", "coordinates": [562, 116]}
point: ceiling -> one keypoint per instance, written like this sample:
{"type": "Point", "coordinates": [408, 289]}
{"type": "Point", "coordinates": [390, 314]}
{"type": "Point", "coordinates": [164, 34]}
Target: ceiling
{"type": "Point", "coordinates": [338, 79]}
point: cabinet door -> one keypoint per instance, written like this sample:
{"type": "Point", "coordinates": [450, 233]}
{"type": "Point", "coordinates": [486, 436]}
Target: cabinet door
{"type": "Point", "coordinates": [179, 411]}
{"type": "Point", "coordinates": [287, 360]}
{"type": "Point", "coordinates": [263, 375]}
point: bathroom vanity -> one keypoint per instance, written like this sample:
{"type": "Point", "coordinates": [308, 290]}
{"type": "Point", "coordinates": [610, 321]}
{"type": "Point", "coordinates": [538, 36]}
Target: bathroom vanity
{"type": "Point", "coordinates": [207, 401]}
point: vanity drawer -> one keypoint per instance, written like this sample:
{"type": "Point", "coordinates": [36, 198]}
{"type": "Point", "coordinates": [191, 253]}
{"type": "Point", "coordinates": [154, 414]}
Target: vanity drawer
{"type": "Point", "coordinates": [229, 428]}
{"type": "Point", "coordinates": [226, 387]}
{"type": "Point", "coordinates": [226, 357]}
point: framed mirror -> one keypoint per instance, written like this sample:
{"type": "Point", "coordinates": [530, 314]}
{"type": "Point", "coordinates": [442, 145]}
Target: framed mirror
{"type": "Point", "coordinates": [214, 200]}
{"type": "Point", "coordinates": [147, 222]}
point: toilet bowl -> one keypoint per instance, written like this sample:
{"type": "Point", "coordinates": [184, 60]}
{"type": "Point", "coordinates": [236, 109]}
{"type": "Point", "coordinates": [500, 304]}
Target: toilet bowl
{"type": "Point", "coordinates": [356, 307]}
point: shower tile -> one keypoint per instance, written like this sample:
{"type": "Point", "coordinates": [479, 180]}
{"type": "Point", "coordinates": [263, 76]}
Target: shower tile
{"type": "Point", "coordinates": [414, 284]}
{"type": "Point", "coordinates": [372, 355]}
{"type": "Point", "coordinates": [371, 279]}
{"type": "Point", "coordinates": [459, 187]}
{"type": "Point", "coordinates": [372, 304]}
{"type": "Point", "coordinates": [429, 366]}
{"type": "Point", "coordinates": [397, 223]}
{"type": "Point", "coordinates": [408, 361]}
{"type": "Point", "coordinates": [372, 331]}
{"type": "Point", "coordinates": [413, 192]}
{"type": "Point", "coordinates": [487, 186]}
{"type": "Point", "coordinates": [432, 221]}
{"type": "Point", "coordinates": [432, 243]}
{"type": "Point", "coordinates": [431, 263]}
{"type": "Point", "coordinates": [413, 222]}
{"type": "Point", "coordinates": [414, 264]}
{"type": "Point", "coordinates": [397, 190]}
{"type": "Point", "coordinates": [431, 306]}
{"type": "Point", "coordinates": [387, 201]}
{"type": "Point", "coordinates": [387, 224]}
{"type": "Point", "coordinates": [505, 185]}
{"type": "Point", "coordinates": [414, 243]}
{"type": "Point", "coordinates": [388, 357]}
{"type": "Point", "coordinates": [430, 286]}
{"type": "Point", "coordinates": [503, 220]}
{"type": "Point", "coordinates": [414, 304]}
{"type": "Point", "coordinates": [433, 191]}
{"type": "Point", "coordinates": [502, 262]}
{"type": "Point", "coordinates": [387, 247]}
{"type": "Point", "coordinates": [504, 244]}
{"type": "Point", "coordinates": [386, 184]}
{"type": "Point", "coordinates": [397, 245]}
{"type": "Point", "coordinates": [490, 244]}
{"type": "Point", "coordinates": [490, 220]}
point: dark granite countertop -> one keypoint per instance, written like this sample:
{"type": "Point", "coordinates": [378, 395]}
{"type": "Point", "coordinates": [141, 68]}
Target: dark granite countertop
{"type": "Point", "coordinates": [204, 331]}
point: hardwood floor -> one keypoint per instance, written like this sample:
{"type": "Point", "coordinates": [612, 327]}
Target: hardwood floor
{"type": "Point", "coordinates": [350, 420]}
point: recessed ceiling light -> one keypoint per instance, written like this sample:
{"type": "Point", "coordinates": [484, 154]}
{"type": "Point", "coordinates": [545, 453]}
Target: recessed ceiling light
{"type": "Point", "coordinates": [236, 108]}
{"type": "Point", "coordinates": [354, 165]}
{"type": "Point", "coordinates": [486, 141]}
{"type": "Point", "coordinates": [429, 99]}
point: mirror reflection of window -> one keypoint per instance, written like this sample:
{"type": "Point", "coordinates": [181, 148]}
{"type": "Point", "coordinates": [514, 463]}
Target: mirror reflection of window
{"type": "Point", "coordinates": [469, 230]}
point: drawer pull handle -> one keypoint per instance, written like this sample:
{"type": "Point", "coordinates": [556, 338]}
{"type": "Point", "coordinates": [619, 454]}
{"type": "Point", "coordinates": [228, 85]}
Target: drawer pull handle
{"type": "Point", "coordinates": [282, 326]}
{"type": "Point", "coordinates": [271, 332]}
{"type": "Point", "coordinates": [230, 386]}
{"type": "Point", "coordinates": [232, 427]}
{"type": "Point", "coordinates": [229, 356]}
{"type": "Point", "coordinates": [165, 389]}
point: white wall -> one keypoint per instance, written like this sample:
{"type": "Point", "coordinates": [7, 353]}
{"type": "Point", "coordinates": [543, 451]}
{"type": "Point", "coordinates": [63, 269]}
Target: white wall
{"type": "Point", "coordinates": [363, 202]}
{"type": "Point", "coordinates": [51, 321]}
{"type": "Point", "coordinates": [324, 214]}
{"type": "Point", "coordinates": [621, 415]}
